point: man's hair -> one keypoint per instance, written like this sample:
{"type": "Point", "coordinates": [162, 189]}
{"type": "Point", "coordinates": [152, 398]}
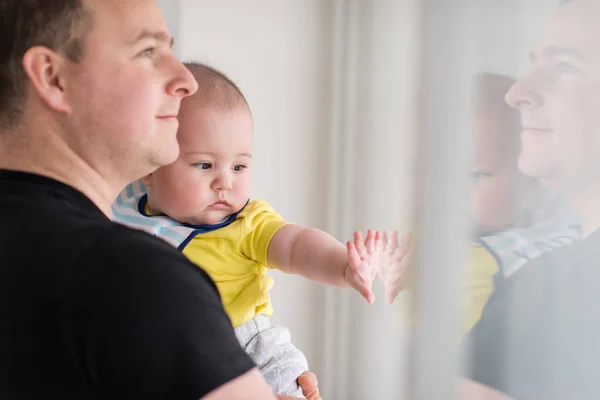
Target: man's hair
{"type": "Point", "coordinates": [60, 25]}
{"type": "Point", "coordinates": [215, 88]}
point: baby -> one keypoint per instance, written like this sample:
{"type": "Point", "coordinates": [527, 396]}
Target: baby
{"type": "Point", "coordinates": [514, 219]}
{"type": "Point", "coordinates": [200, 204]}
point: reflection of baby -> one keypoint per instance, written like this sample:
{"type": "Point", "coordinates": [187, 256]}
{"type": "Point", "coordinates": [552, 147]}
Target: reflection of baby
{"type": "Point", "coordinates": [499, 193]}
{"type": "Point", "coordinates": [200, 204]}
{"type": "Point", "coordinates": [514, 219]}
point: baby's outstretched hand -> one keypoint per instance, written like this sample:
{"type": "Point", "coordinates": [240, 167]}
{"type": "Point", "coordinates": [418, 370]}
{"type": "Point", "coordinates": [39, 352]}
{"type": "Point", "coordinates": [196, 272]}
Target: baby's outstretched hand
{"type": "Point", "coordinates": [394, 262]}
{"type": "Point", "coordinates": [363, 262]}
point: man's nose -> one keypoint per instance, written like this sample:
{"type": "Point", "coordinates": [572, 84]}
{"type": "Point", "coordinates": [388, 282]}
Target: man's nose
{"type": "Point", "coordinates": [183, 83]}
{"type": "Point", "coordinates": [522, 95]}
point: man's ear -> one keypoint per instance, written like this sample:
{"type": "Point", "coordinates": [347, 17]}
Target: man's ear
{"type": "Point", "coordinates": [147, 180]}
{"type": "Point", "coordinates": [45, 69]}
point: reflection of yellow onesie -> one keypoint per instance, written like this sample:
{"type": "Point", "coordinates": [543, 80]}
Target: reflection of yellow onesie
{"type": "Point", "coordinates": [478, 285]}
{"type": "Point", "coordinates": [482, 266]}
{"type": "Point", "coordinates": [235, 257]}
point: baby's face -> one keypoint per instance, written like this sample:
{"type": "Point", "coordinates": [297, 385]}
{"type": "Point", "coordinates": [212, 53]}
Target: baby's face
{"type": "Point", "coordinates": [211, 178]}
{"type": "Point", "coordinates": [497, 185]}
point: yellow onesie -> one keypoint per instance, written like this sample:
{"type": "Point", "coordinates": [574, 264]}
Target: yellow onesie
{"type": "Point", "coordinates": [235, 257]}
{"type": "Point", "coordinates": [482, 266]}
{"type": "Point", "coordinates": [477, 286]}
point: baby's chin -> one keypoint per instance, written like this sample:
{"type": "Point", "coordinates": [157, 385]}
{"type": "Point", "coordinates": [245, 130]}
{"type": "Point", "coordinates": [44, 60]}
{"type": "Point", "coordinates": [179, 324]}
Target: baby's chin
{"type": "Point", "coordinates": [211, 217]}
{"type": "Point", "coordinates": [489, 229]}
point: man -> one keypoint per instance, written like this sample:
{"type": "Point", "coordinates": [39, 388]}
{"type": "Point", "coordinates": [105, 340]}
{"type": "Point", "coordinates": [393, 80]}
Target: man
{"type": "Point", "coordinates": [89, 94]}
{"type": "Point", "coordinates": [539, 335]}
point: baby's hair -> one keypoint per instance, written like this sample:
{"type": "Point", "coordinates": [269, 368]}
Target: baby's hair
{"type": "Point", "coordinates": [215, 88]}
{"type": "Point", "coordinates": [491, 90]}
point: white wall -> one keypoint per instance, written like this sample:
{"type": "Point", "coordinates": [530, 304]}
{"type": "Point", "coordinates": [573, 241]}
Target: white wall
{"type": "Point", "coordinates": [507, 30]}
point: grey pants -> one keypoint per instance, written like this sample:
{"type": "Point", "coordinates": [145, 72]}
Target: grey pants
{"type": "Point", "coordinates": [279, 361]}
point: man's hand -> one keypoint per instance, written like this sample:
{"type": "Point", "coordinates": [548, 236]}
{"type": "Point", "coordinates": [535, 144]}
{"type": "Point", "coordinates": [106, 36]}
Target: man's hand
{"type": "Point", "coordinates": [395, 260]}
{"type": "Point", "coordinates": [363, 262]}
{"type": "Point", "coordinates": [310, 389]}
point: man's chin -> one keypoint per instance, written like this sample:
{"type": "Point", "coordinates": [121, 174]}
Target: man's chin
{"type": "Point", "coordinates": [167, 155]}
{"type": "Point", "coordinates": [537, 169]}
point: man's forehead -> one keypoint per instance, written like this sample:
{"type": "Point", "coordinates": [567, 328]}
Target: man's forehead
{"type": "Point", "coordinates": [136, 19]}
{"type": "Point", "coordinates": [572, 31]}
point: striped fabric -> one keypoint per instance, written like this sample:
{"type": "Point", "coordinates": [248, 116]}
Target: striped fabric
{"type": "Point", "coordinates": [125, 211]}
{"type": "Point", "coordinates": [551, 223]}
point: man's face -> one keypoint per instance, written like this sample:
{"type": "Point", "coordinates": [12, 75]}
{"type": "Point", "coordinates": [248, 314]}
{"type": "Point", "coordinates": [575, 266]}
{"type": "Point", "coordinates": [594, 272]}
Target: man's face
{"type": "Point", "coordinates": [559, 100]}
{"type": "Point", "coordinates": [126, 92]}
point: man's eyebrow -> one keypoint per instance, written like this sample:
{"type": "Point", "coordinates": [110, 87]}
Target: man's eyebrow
{"type": "Point", "coordinates": [556, 51]}
{"type": "Point", "coordinates": [161, 36]}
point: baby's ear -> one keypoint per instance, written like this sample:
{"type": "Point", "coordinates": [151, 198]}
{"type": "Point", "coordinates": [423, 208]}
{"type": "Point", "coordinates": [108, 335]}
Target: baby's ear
{"type": "Point", "coordinates": [147, 180]}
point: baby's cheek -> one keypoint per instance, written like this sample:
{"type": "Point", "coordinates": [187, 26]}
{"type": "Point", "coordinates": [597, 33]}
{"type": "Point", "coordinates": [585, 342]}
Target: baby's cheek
{"type": "Point", "coordinates": [182, 198]}
{"type": "Point", "coordinates": [501, 207]}
{"type": "Point", "coordinates": [243, 187]}
{"type": "Point", "coordinates": [492, 207]}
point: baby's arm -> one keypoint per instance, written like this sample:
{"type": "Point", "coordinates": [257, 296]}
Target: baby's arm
{"type": "Point", "coordinates": [318, 256]}
{"type": "Point", "coordinates": [395, 264]}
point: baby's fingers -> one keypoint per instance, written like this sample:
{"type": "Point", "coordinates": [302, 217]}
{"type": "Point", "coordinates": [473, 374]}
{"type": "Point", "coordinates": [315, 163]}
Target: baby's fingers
{"type": "Point", "coordinates": [359, 244]}
{"type": "Point", "coordinates": [370, 241]}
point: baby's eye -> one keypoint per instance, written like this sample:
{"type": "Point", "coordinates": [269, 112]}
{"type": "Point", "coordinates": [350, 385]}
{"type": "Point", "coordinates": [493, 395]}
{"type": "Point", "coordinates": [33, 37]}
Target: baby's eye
{"type": "Point", "coordinates": [239, 168]}
{"type": "Point", "coordinates": [204, 165]}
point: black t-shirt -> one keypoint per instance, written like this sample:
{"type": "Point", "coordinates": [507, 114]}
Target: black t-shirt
{"type": "Point", "coordinates": [539, 335]}
{"type": "Point", "coordinates": [90, 309]}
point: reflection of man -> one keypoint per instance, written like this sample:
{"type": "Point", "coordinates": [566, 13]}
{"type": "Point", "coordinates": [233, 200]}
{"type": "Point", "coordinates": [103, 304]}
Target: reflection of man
{"type": "Point", "coordinates": [89, 94]}
{"type": "Point", "coordinates": [539, 336]}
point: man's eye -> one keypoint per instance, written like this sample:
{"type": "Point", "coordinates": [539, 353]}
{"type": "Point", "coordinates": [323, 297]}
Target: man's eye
{"type": "Point", "coordinates": [149, 52]}
{"type": "Point", "coordinates": [204, 165]}
{"type": "Point", "coordinates": [239, 168]}
{"type": "Point", "coordinates": [479, 174]}
{"type": "Point", "coordinates": [565, 68]}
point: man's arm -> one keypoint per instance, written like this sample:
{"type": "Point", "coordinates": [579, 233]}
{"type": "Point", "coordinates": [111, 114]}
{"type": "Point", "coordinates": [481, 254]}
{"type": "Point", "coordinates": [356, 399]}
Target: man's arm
{"type": "Point", "coordinates": [471, 390]}
{"type": "Point", "coordinates": [252, 386]}
{"type": "Point", "coordinates": [249, 386]}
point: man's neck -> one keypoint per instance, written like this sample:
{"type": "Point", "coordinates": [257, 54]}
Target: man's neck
{"type": "Point", "coordinates": [46, 154]}
{"type": "Point", "coordinates": [587, 203]}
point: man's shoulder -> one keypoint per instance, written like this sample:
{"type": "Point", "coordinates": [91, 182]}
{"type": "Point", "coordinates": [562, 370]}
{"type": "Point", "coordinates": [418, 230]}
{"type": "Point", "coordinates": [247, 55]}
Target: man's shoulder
{"type": "Point", "coordinates": [127, 253]}
{"type": "Point", "coordinates": [534, 288]}
{"type": "Point", "coordinates": [548, 302]}
{"type": "Point", "coordinates": [132, 242]}
{"type": "Point", "coordinates": [137, 299]}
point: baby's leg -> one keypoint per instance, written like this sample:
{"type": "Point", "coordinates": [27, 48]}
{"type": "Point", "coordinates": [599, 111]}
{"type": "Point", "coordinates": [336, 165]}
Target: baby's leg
{"type": "Point", "coordinates": [280, 362]}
